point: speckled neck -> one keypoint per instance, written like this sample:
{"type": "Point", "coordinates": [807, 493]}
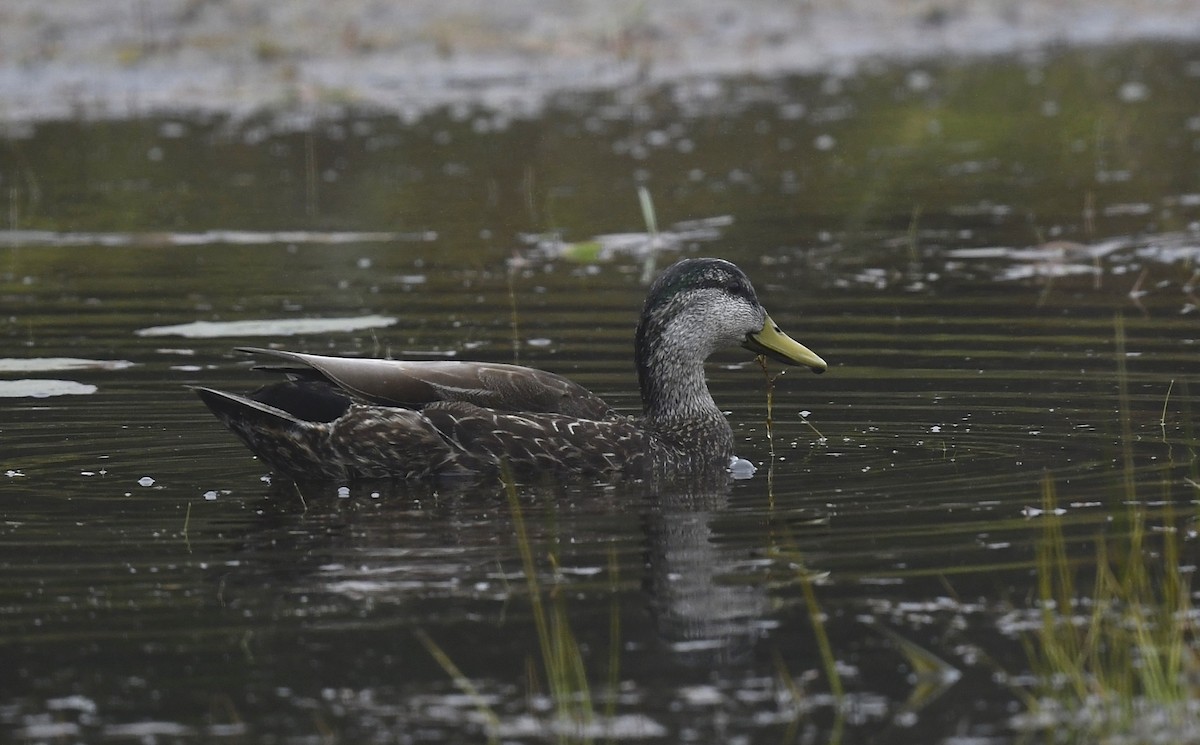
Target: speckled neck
{"type": "Point", "coordinates": [675, 397]}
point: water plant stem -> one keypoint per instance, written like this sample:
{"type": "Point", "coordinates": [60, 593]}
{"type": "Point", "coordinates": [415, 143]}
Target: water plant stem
{"type": "Point", "coordinates": [651, 220]}
{"type": "Point", "coordinates": [1123, 407]}
{"type": "Point", "coordinates": [562, 659]}
{"type": "Point", "coordinates": [514, 318]}
{"type": "Point", "coordinates": [1162, 420]}
{"type": "Point", "coordinates": [463, 683]}
{"type": "Point", "coordinates": [770, 421]}
{"type": "Point", "coordinates": [187, 519]}
{"type": "Point", "coordinates": [1131, 659]}
{"type": "Point", "coordinates": [828, 662]}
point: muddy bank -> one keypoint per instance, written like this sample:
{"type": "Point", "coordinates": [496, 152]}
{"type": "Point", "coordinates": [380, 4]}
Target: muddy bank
{"type": "Point", "coordinates": [74, 58]}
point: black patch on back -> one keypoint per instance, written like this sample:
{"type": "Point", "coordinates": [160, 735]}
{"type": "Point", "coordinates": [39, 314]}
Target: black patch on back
{"type": "Point", "coordinates": [309, 400]}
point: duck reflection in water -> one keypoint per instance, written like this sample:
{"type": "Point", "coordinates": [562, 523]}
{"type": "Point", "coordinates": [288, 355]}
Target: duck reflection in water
{"type": "Point", "coordinates": [705, 610]}
{"type": "Point", "coordinates": [387, 542]}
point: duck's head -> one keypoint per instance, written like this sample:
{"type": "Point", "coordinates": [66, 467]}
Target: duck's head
{"type": "Point", "coordinates": [697, 306]}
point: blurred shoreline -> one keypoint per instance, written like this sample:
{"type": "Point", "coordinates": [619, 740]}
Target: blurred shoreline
{"type": "Point", "coordinates": [72, 59]}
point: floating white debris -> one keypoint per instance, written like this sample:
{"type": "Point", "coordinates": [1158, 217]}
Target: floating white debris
{"type": "Point", "coordinates": [702, 695]}
{"type": "Point", "coordinates": [39, 388]}
{"type": "Point", "coordinates": [146, 731]}
{"type": "Point", "coordinates": [1133, 208]}
{"type": "Point", "coordinates": [581, 571]}
{"type": "Point", "coordinates": [268, 327]}
{"type": "Point", "coordinates": [72, 703]}
{"type": "Point", "coordinates": [343, 492]}
{"type": "Point", "coordinates": [44, 364]}
{"type": "Point", "coordinates": [145, 481]}
{"type": "Point", "coordinates": [210, 495]}
{"type": "Point", "coordinates": [605, 247]}
{"type": "Point", "coordinates": [1035, 512]}
{"type": "Point", "coordinates": [43, 731]}
{"type": "Point", "coordinates": [1133, 91]}
{"type": "Point", "coordinates": [985, 252]}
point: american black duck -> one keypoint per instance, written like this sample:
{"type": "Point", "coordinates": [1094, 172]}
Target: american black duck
{"type": "Point", "coordinates": [339, 418]}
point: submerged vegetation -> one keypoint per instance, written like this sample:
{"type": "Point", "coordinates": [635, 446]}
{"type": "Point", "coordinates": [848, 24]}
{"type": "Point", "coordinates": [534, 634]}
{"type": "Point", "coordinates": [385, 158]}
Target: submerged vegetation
{"type": "Point", "coordinates": [1121, 663]}
{"type": "Point", "coordinates": [565, 687]}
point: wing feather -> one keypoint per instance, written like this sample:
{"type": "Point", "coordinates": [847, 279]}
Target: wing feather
{"type": "Point", "coordinates": [417, 384]}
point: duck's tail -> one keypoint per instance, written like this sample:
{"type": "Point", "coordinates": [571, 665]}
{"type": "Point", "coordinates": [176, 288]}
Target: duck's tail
{"type": "Point", "coordinates": [233, 409]}
{"type": "Point", "coordinates": [279, 438]}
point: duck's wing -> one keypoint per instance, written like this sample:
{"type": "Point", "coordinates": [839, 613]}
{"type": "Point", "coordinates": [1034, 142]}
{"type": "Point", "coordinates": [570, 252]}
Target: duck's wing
{"type": "Point", "coordinates": [416, 384]}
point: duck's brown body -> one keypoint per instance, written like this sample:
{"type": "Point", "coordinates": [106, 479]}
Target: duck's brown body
{"type": "Point", "coordinates": [344, 418]}
{"type": "Point", "coordinates": [421, 419]}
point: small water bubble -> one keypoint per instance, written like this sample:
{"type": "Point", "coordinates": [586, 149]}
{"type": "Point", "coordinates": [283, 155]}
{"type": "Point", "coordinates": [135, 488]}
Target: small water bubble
{"type": "Point", "coordinates": [1133, 91]}
{"type": "Point", "coordinates": [740, 468]}
{"type": "Point", "coordinates": [919, 80]}
{"type": "Point", "coordinates": [172, 130]}
{"type": "Point", "coordinates": [792, 111]}
{"type": "Point", "coordinates": [657, 138]}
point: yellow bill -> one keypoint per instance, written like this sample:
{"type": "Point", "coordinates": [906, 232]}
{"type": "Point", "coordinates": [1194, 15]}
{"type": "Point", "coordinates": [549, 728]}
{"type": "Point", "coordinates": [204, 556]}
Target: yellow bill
{"type": "Point", "coordinates": [779, 346]}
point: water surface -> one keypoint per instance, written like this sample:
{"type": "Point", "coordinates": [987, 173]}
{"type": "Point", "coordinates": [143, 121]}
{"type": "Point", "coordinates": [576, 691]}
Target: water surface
{"type": "Point", "coordinates": [999, 261]}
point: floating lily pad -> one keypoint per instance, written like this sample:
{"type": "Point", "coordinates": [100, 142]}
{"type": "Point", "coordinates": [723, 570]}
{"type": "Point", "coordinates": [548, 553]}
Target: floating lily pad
{"type": "Point", "coordinates": [268, 327]}
{"type": "Point", "coordinates": [43, 364]}
{"type": "Point", "coordinates": [39, 388]}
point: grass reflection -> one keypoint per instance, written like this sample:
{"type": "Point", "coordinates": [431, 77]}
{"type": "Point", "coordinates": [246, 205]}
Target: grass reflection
{"type": "Point", "coordinates": [563, 665]}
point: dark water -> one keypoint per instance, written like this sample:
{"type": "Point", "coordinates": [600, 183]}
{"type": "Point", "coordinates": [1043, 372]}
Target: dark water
{"type": "Point", "coordinates": [999, 261]}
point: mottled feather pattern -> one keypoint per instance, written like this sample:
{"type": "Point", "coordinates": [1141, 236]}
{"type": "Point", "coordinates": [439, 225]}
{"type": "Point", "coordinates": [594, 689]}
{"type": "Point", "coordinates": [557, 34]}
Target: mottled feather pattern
{"type": "Point", "coordinates": [543, 442]}
{"type": "Point", "coordinates": [510, 390]}
{"type": "Point", "coordinates": [456, 437]}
